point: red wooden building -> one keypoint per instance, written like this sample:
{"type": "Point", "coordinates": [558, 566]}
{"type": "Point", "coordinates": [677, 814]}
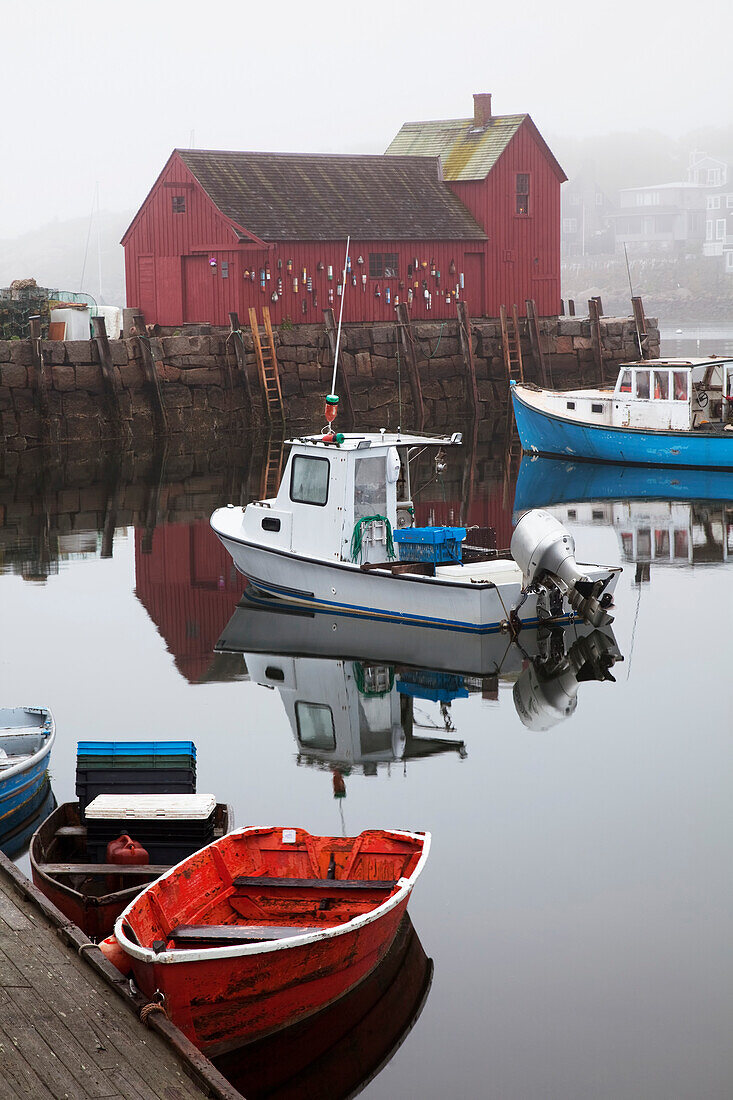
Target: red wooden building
{"type": "Point", "coordinates": [466, 209]}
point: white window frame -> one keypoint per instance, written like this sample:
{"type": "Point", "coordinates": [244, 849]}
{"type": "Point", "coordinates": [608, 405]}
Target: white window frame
{"type": "Point", "coordinates": [719, 229]}
{"type": "Point", "coordinates": [708, 229]}
{"type": "Point", "coordinates": [713, 177]}
{"type": "Point", "coordinates": [570, 225]}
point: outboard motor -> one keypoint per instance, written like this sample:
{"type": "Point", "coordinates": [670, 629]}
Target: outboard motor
{"type": "Point", "coordinates": [547, 690]}
{"type": "Point", "coordinates": [545, 553]}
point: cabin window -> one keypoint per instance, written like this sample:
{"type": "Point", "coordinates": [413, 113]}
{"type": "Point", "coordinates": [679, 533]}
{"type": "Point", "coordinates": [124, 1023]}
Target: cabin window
{"type": "Point", "coordinates": [383, 265]}
{"type": "Point", "coordinates": [598, 514]}
{"type": "Point", "coordinates": [370, 488]}
{"type": "Point", "coordinates": [571, 404]}
{"type": "Point", "coordinates": [315, 726]}
{"type": "Point", "coordinates": [178, 204]}
{"type": "Point", "coordinates": [642, 384]}
{"type": "Point", "coordinates": [625, 386]}
{"type": "Point", "coordinates": [309, 480]}
{"type": "Point", "coordinates": [661, 385]}
{"type": "Point", "coordinates": [522, 193]}
{"type": "Point", "coordinates": [572, 513]}
{"type": "Point", "coordinates": [596, 408]}
{"type": "Point", "coordinates": [627, 542]}
{"type": "Point", "coordinates": [681, 544]}
{"type": "Point", "coordinates": [272, 672]}
{"type": "Point", "coordinates": [644, 544]}
{"type": "Point", "coordinates": [679, 381]}
{"type": "Point", "coordinates": [270, 524]}
{"type": "Point", "coordinates": [661, 544]}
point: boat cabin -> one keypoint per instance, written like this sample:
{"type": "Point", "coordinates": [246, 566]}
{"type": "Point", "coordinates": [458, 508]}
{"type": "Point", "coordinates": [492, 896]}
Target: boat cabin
{"type": "Point", "coordinates": [657, 394]}
{"type": "Point", "coordinates": [333, 499]}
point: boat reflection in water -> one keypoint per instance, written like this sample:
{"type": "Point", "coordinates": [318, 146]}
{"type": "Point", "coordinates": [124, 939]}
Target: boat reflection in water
{"type": "Point", "coordinates": [355, 690]}
{"type": "Point", "coordinates": [337, 1052]}
{"type": "Point", "coordinates": [673, 517]}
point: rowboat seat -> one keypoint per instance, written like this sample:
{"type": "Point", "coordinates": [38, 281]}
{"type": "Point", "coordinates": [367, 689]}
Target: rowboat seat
{"type": "Point", "coordinates": [236, 933]}
{"type": "Point", "coordinates": [328, 885]}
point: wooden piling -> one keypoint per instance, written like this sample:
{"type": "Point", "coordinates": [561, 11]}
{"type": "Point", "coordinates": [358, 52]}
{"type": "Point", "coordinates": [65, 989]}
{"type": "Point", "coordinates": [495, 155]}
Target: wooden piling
{"type": "Point", "coordinates": [640, 322]}
{"type": "Point", "coordinates": [535, 341]}
{"type": "Point", "coordinates": [595, 332]}
{"type": "Point", "coordinates": [466, 342]}
{"type": "Point", "coordinates": [236, 339]}
{"type": "Point", "coordinates": [39, 378]}
{"type": "Point", "coordinates": [407, 343]}
{"type": "Point", "coordinates": [150, 371]}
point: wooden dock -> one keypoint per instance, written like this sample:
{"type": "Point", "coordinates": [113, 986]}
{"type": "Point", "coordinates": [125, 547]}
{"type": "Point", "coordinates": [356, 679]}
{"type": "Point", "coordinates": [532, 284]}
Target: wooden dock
{"type": "Point", "coordinates": [70, 1025]}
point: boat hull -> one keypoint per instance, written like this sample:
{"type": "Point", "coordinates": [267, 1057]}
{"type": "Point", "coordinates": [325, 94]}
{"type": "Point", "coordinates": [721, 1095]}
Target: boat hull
{"type": "Point", "coordinates": [345, 589]}
{"type": "Point", "coordinates": [541, 432]}
{"type": "Point", "coordinates": [90, 906]}
{"type": "Point", "coordinates": [237, 1000]}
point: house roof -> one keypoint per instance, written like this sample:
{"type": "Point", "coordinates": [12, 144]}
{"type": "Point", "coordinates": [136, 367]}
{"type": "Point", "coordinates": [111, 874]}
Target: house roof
{"type": "Point", "coordinates": [287, 196]}
{"type": "Point", "coordinates": [466, 151]}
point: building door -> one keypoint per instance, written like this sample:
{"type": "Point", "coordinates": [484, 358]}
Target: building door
{"type": "Point", "coordinates": [474, 285]}
{"type": "Point", "coordinates": [146, 302]}
{"type": "Point", "coordinates": [198, 290]}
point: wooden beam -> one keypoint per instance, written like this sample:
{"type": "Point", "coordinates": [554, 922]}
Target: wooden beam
{"type": "Point", "coordinates": [595, 332]}
{"type": "Point", "coordinates": [466, 342]}
{"type": "Point", "coordinates": [535, 340]}
{"type": "Point", "coordinates": [641, 333]}
{"type": "Point", "coordinates": [405, 337]}
{"type": "Point", "coordinates": [151, 376]}
{"type": "Point", "coordinates": [39, 379]}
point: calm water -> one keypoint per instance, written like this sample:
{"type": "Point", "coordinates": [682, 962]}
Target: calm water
{"type": "Point", "coordinates": [577, 903]}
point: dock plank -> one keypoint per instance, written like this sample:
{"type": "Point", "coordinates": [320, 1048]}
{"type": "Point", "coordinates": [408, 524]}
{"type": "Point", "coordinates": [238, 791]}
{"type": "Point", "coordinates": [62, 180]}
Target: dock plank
{"type": "Point", "coordinates": [65, 1031]}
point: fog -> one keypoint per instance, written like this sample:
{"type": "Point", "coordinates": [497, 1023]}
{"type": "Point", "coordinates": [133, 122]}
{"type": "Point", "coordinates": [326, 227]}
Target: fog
{"type": "Point", "coordinates": [97, 95]}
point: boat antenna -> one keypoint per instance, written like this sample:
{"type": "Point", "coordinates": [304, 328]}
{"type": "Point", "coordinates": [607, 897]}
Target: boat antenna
{"type": "Point", "coordinates": [332, 398]}
{"type": "Point", "coordinates": [631, 291]}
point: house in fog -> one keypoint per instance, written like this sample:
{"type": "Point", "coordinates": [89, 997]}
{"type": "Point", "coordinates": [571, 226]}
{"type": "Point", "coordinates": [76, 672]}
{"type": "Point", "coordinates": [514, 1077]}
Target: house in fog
{"type": "Point", "coordinates": [465, 209]}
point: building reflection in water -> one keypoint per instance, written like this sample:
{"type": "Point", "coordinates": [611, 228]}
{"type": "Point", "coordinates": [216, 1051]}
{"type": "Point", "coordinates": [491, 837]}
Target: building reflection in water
{"type": "Point", "coordinates": [338, 1051]}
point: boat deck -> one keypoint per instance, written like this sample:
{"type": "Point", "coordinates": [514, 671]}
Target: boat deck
{"type": "Point", "coordinates": [65, 1030]}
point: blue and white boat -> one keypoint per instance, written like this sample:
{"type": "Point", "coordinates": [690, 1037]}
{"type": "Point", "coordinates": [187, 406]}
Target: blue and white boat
{"type": "Point", "coordinates": [26, 737]}
{"type": "Point", "coordinates": [326, 541]}
{"type": "Point", "coordinates": [661, 412]}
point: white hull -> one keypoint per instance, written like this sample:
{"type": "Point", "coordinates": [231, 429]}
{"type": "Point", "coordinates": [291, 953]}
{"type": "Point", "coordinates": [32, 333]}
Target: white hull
{"type": "Point", "coordinates": [346, 589]}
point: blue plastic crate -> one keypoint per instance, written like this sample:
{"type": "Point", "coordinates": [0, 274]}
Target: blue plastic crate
{"type": "Point", "coordinates": [430, 544]}
{"type": "Point", "coordinates": [136, 748]}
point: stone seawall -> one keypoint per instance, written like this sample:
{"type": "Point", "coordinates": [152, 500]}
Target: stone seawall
{"type": "Point", "coordinates": [57, 392]}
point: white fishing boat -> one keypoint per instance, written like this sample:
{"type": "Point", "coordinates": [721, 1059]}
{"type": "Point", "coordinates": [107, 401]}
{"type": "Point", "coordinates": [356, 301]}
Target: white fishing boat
{"type": "Point", "coordinates": [327, 541]}
{"type": "Point", "coordinates": [334, 538]}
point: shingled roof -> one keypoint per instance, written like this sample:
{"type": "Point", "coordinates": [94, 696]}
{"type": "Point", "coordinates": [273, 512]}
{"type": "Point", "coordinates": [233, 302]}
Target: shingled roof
{"type": "Point", "coordinates": [466, 151]}
{"type": "Point", "coordinates": [287, 196]}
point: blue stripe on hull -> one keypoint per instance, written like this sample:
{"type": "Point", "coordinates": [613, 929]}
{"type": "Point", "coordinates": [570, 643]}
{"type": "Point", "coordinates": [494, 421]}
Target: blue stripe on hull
{"type": "Point", "coordinates": [547, 434]}
{"type": "Point", "coordinates": [355, 611]}
{"type": "Point", "coordinates": [16, 790]}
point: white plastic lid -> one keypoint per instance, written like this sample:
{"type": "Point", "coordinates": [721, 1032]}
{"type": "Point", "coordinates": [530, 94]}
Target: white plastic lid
{"type": "Point", "coordinates": [146, 807]}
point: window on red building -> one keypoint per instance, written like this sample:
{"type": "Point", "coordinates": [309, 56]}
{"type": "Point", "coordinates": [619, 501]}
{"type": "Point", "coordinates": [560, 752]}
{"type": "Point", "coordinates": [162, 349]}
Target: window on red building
{"type": "Point", "coordinates": [383, 265]}
{"type": "Point", "coordinates": [178, 204]}
{"type": "Point", "coordinates": [522, 189]}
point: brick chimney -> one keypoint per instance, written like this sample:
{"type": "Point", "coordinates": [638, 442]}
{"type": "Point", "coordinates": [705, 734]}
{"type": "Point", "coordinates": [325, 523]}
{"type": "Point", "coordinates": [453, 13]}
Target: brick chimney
{"type": "Point", "coordinates": [481, 108]}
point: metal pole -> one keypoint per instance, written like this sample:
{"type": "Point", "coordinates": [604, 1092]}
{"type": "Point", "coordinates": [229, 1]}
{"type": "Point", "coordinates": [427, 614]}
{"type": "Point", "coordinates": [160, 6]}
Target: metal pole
{"type": "Point", "coordinates": [341, 313]}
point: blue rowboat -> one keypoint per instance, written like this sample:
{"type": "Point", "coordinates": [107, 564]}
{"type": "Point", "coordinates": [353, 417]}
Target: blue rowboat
{"type": "Point", "coordinates": [662, 412]}
{"type": "Point", "coordinates": [26, 737]}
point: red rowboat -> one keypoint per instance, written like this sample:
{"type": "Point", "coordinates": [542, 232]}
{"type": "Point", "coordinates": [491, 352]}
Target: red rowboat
{"type": "Point", "coordinates": [266, 926]}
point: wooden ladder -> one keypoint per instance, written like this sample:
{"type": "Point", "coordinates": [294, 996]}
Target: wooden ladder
{"type": "Point", "coordinates": [264, 348]}
{"type": "Point", "coordinates": [510, 344]}
{"type": "Point", "coordinates": [273, 465]}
